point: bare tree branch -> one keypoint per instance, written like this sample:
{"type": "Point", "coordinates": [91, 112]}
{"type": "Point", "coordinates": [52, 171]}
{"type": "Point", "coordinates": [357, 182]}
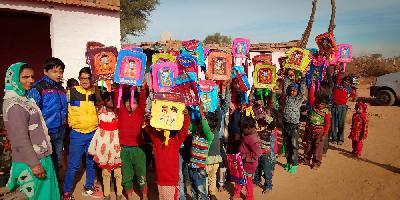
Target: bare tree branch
{"type": "Point", "coordinates": [333, 15]}
{"type": "Point", "coordinates": [307, 32]}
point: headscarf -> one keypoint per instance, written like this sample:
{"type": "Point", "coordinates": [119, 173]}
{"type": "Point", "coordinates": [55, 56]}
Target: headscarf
{"type": "Point", "coordinates": [12, 82]}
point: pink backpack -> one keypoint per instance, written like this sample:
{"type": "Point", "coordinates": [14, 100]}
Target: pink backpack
{"type": "Point", "coordinates": [163, 76]}
{"type": "Point", "coordinates": [240, 48]}
{"type": "Point", "coordinates": [235, 167]}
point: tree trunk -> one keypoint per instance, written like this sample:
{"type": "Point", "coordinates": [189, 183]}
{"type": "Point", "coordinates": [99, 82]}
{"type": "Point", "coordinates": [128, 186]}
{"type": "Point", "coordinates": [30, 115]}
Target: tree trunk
{"type": "Point", "coordinates": [307, 32]}
{"type": "Point", "coordinates": [333, 15]}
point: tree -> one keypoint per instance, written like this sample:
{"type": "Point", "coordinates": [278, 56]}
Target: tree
{"type": "Point", "coordinates": [134, 16]}
{"type": "Point", "coordinates": [307, 32]}
{"type": "Point", "coordinates": [217, 38]}
{"type": "Point", "coordinates": [332, 24]}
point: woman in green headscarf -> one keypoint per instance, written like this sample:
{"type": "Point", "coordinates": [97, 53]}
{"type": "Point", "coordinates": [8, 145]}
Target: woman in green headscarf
{"type": "Point", "coordinates": [32, 169]}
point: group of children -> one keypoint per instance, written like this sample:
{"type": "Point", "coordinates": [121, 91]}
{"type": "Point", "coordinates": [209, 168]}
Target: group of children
{"type": "Point", "coordinates": [113, 138]}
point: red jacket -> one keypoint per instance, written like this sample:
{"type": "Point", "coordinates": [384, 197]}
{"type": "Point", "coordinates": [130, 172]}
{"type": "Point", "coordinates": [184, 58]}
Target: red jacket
{"type": "Point", "coordinates": [340, 95]}
{"type": "Point", "coordinates": [167, 157]}
{"type": "Point", "coordinates": [130, 124]}
{"type": "Point", "coordinates": [359, 127]}
{"type": "Point", "coordinates": [250, 150]}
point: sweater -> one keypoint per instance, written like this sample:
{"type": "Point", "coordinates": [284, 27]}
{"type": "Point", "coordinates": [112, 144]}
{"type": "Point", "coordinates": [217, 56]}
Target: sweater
{"type": "Point", "coordinates": [340, 95]}
{"type": "Point", "coordinates": [82, 114]}
{"type": "Point", "coordinates": [200, 146]}
{"type": "Point", "coordinates": [359, 127]}
{"type": "Point", "coordinates": [167, 157]}
{"type": "Point", "coordinates": [292, 104]}
{"type": "Point", "coordinates": [130, 124]}
{"type": "Point", "coordinates": [250, 150]}
{"type": "Point", "coordinates": [26, 130]}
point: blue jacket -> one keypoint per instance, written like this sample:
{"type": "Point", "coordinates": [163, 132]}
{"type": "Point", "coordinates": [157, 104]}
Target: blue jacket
{"type": "Point", "coordinates": [51, 97]}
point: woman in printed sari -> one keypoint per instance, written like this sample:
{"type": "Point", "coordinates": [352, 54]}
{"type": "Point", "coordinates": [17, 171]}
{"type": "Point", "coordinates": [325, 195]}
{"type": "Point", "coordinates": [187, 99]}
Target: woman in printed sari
{"type": "Point", "coordinates": [32, 170]}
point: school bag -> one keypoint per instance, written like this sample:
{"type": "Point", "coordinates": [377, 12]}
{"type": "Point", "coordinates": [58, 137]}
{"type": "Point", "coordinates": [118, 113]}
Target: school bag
{"type": "Point", "coordinates": [264, 76]}
{"type": "Point", "coordinates": [240, 49]}
{"type": "Point", "coordinates": [262, 59]}
{"type": "Point", "coordinates": [131, 65]}
{"type": "Point", "coordinates": [344, 54]}
{"type": "Point", "coordinates": [326, 43]}
{"type": "Point", "coordinates": [163, 57]}
{"type": "Point", "coordinates": [240, 76]}
{"type": "Point", "coordinates": [102, 62]}
{"type": "Point", "coordinates": [235, 167]}
{"type": "Point", "coordinates": [163, 76]}
{"type": "Point", "coordinates": [297, 59]}
{"type": "Point", "coordinates": [208, 94]}
{"type": "Point", "coordinates": [187, 63]}
{"type": "Point", "coordinates": [186, 84]}
{"type": "Point", "coordinates": [195, 48]}
{"type": "Point", "coordinates": [219, 66]}
{"type": "Point", "coordinates": [167, 112]}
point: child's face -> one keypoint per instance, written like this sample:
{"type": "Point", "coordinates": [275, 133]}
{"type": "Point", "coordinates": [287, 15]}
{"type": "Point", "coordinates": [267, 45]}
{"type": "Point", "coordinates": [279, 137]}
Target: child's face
{"type": "Point", "coordinates": [109, 103]}
{"type": "Point", "coordinates": [293, 91]}
{"type": "Point", "coordinates": [359, 110]}
{"type": "Point", "coordinates": [56, 73]}
{"type": "Point", "coordinates": [135, 105]}
{"type": "Point", "coordinates": [249, 131]}
{"type": "Point", "coordinates": [322, 106]}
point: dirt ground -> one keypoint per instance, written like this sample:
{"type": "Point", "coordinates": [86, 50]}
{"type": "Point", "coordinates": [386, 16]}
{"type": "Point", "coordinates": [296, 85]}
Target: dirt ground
{"type": "Point", "coordinates": [375, 175]}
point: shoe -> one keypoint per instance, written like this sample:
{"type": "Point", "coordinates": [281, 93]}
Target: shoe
{"type": "Point", "coordinates": [333, 142]}
{"type": "Point", "coordinates": [266, 191]}
{"type": "Point", "coordinates": [92, 192]}
{"type": "Point", "coordinates": [68, 196]}
{"type": "Point", "coordinates": [120, 197]}
{"type": "Point", "coordinates": [340, 143]}
{"type": "Point", "coordinates": [306, 162]}
{"type": "Point", "coordinates": [315, 166]}
{"type": "Point", "coordinates": [287, 166]}
{"type": "Point", "coordinates": [293, 169]}
{"type": "Point", "coordinates": [107, 197]}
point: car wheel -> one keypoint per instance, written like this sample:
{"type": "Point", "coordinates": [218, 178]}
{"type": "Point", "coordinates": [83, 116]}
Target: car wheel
{"type": "Point", "coordinates": [385, 98]}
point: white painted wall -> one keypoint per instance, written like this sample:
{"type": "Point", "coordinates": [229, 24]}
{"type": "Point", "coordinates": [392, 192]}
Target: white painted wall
{"type": "Point", "coordinates": [71, 28]}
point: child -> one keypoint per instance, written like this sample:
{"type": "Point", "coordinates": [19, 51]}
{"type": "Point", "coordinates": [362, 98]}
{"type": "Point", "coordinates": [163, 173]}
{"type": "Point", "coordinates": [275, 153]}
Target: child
{"type": "Point", "coordinates": [214, 155]}
{"type": "Point", "coordinates": [341, 94]}
{"type": "Point", "coordinates": [291, 119]}
{"type": "Point", "coordinates": [83, 119]}
{"type": "Point", "coordinates": [201, 142]}
{"type": "Point", "coordinates": [265, 128]}
{"type": "Point", "coordinates": [250, 150]}
{"type": "Point", "coordinates": [105, 146]}
{"type": "Point", "coordinates": [130, 137]}
{"type": "Point", "coordinates": [316, 131]}
{"type": "Point", "coordinates": [359, 128]}
{"type": "Point", "coordinates": [51, 97]}
{"type": "Point", "coordinates": [167, 158]}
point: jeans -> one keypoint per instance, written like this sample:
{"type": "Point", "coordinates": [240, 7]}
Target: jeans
{"type": "Point", "coordinates": [291, 139]}
{"type": "Point", "coordinates": [198, 178]}
{"type": "Point", "coordinates": [183, 167]}
{"type": "Point", "coordinates": [57, 143]}
{"type": "Point", "coordinates": [337, 122]}
{"type": "Point", "coordinates": [266, 165]}
{"type": "Point", "coordinates": [77, 148]}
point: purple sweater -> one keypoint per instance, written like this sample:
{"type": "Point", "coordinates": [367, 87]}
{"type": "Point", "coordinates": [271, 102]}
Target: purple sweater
{"type": "Point", "coordinates": [250, 149]}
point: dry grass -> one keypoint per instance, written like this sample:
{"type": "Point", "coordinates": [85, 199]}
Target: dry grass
{"type": "Point", "coordinates": [373, 65]}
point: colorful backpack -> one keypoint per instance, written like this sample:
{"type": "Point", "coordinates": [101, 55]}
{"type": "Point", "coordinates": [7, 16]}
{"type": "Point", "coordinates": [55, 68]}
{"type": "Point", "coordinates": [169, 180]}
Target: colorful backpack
{"type": "Point", "coordinates": [163, 76]}
{"type": "Point", "coordinates": [164, 57]}
{"type": "Point", "coordinates": [264, 76]}
{"type": "Point", "coordinates": [167, 112]}
{"type": "Point", "coordinates": [326, 43]}
{"type": "Point", "coordinates": [240, 47]}
{"type": "Point", "coordinates": [186, 85]}
{"type": "Point", "coordinates": [208, 94]}
{"type": "Point", "coordinates": [194, 47]}
{"type": "Point", "coordinates": [102, 61]}
{"type": "Point", "coordinates": [344, 54]}
{"type": "Point", "coordinates": [219, 66]}
{"type": "Point", "coordinates": [235, 167]}
{"type": "Point", "coordinates": [187, 62]}
{"type": "Point", "coordinates": [298, 59]}
{"type": "Point", "coordinates": [240, 76]}
{"type": "Point", "coordinates": [130, 67]}
{"type": "Point", "coordinates": [262, 59]}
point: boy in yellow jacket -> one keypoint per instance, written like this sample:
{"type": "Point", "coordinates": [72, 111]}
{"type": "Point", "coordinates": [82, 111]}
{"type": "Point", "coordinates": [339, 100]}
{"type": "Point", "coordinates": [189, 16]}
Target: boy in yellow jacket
{"type": "Point", "coordinates": [82, 118]}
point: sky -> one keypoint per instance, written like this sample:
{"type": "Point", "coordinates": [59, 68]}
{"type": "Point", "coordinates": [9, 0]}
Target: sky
{"type": "Point", "coordinates": [370, 26]}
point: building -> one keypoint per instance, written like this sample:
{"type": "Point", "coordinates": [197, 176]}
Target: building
{"type": "Point", "coordinates": [33, 30]}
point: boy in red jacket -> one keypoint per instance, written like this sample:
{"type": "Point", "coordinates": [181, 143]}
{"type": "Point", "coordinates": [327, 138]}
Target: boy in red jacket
{"type": "Point", "coordinates": [316, 131]}
{"type": "Point", "coordinates": [167, 158]}
{"type": "Point", "coordinates": [130, 138]}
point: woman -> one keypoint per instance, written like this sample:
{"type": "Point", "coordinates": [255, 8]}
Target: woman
{"type": "Point", "coordinates": [32, 169]}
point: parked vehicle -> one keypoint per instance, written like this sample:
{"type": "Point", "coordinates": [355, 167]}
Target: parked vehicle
{"type": "Point", "coordinates": [386, 89]}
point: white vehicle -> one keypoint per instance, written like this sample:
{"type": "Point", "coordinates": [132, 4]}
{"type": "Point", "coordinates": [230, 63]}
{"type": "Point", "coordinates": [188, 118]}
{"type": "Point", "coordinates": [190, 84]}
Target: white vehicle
{"type": "Point", "coordinates": [386, 89]}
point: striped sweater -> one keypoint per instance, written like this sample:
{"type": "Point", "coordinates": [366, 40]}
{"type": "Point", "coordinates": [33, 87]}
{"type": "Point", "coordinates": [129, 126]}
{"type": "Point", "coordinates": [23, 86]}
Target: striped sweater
{"type": "Point", "coordinates": [200, 147]}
